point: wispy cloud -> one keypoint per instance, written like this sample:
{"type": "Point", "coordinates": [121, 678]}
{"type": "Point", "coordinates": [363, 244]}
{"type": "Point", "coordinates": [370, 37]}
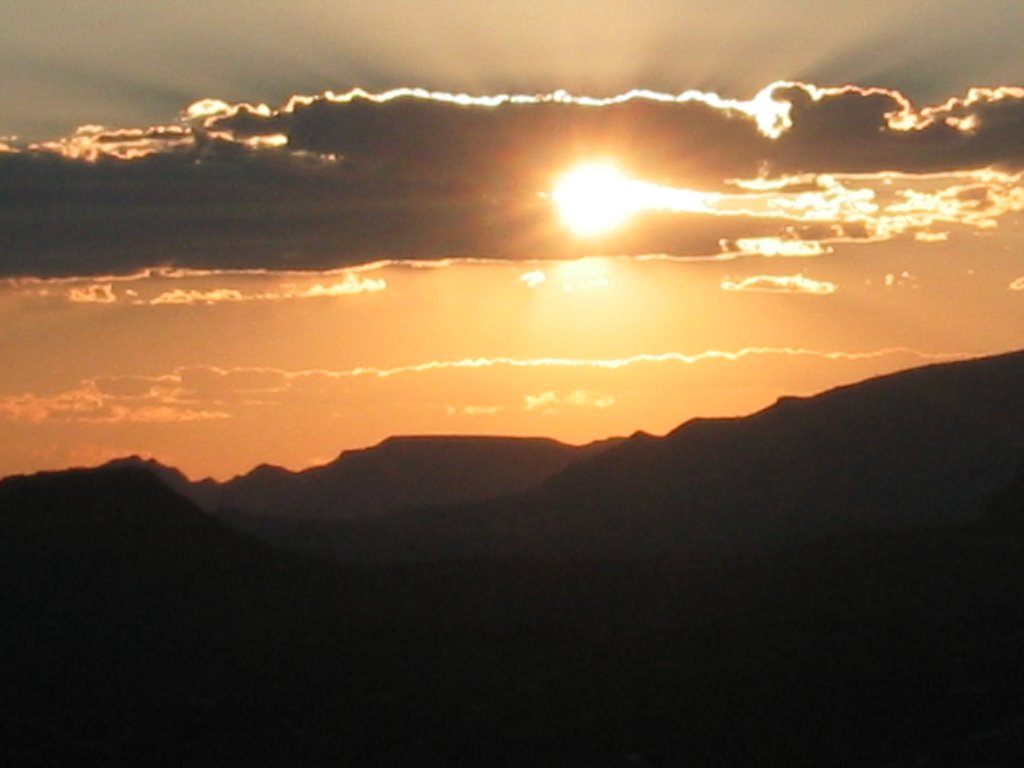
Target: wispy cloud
{"type": "Point", "coordinates": [89, 403]}
{"type": "Point", "coordinates": [350, 285]}
{"type": "Point", "coordinates": [780, 284]}
{"type": "Point", "coordinates": [96, 293]}
{"type": "Point", "coordinates": [474, 410]}
{"type": "Point", "coordinates": [623, 362]}
{"type": "Point", "coordinates": [150, 287]}
{"type": "Point", "coordinates": [550, 402]}
{"type": "Point", "coordinates": [205, 393]}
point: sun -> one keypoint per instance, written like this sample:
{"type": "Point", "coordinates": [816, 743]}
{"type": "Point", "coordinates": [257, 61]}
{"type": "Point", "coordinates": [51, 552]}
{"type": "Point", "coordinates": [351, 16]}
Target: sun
{"type": "Point", "coordinates": [595, 198]}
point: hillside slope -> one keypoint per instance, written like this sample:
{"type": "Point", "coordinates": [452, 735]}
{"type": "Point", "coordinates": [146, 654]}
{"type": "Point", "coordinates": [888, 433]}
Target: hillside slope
{"type": "Point", "coordinates": [922, 447]}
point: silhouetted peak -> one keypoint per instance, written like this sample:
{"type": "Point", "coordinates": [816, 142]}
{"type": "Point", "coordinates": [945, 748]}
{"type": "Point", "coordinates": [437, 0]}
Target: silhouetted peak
{"type": "Point", "coordinates": [268, 470]}
{"type": "Point", "coordinates": [638, 435]}
{"type": "Point", "coordinates": [131, 460]}
{"type": "Point", "coordinates": [124, 501]}
{"type": "Point", "coordinates": [174, 477]}
{"type": "Point", "coordinates": [118, 475]}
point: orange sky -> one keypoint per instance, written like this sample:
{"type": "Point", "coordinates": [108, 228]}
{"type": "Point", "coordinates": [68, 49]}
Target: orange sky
{"type": "Point", "coordinates": [215, 385]}
{"type": "Point", "coordinates": [254, 285]}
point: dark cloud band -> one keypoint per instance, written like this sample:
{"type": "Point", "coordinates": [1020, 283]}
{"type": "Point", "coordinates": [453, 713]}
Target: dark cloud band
{"type": "Point", "coordinates": [331, 180]}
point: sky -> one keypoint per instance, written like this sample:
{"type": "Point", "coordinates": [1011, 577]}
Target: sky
{"type": "Point", "coordinates": [235, 234]}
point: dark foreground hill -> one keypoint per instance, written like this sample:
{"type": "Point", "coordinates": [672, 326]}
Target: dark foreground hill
{"type": "Point", "coordinates": [917, 448]}
{"type": "Point", "coordinates": [399, 473]}
{"type": "Point", "coordinates": [1006, 507]}
{"type": "Point", "coordinates": [125, 609]}
{"type": "Point", "coordinates": [137, 631]}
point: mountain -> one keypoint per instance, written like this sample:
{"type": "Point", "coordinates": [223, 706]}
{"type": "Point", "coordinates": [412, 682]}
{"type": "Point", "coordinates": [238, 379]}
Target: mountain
{"type": "Point", "coordinates": [399, 473]}
{"type": "Point", "coordinates": [1005, 510]}
{"type": "Point", "coordinates": [128, 612]}
{"type": "Point", "coordinates": [114, 510]}
{"type": "Point", "coordinates": [923, 447]}
{"type": "Point", "coordinates": [94, 539]}
{"type": "Point", "coordinates": [138, 630]}
{"type": "Point", "coordinates": [201, 492]}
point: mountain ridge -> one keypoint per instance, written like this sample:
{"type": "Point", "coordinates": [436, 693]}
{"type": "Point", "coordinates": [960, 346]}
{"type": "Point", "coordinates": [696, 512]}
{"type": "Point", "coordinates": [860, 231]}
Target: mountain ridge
{"type": "Point", "coordinates": [138, 629]}
{"type": "Point", "coordinates": [926, 446]}
{"type": "Point", "coordinates": [401, 471]}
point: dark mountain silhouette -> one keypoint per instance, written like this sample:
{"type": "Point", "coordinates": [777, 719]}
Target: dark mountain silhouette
{"type": "Point", "coordinates": [398, 473]}
{"type": "Point", "coordinates": [922, 447]}
{"type": "Point", "coordinates": [125, 608]}
{"type": "Point", "coordinates": [1006, 507]}
{"type": "Point", "coordinates": [201, 492]}
{"type": "Point", "coordinates": [85, 516]}
{"type": "Point", "coordinates": [138, 630]}
{"type": "Point", "coordinates": [95, 540]}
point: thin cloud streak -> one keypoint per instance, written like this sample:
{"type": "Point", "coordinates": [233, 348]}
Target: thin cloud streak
{"type": "Point", "coordinates": [87, 404]}
{"type": "Point", "coordinates": [623, 362]}
{"type": "Point", "coordinates": [143, 288]}
{"type": "Point", "coordinates": [780, 284]}
{"type": "Point", "coordinates": [350, 286]}
{"type": "Point", "coordinates": [203, 393]}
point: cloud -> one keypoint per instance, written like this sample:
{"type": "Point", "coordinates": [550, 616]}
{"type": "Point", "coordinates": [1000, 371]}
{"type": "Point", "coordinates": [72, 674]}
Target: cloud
{"type": "Point", "coordinates": [337, 180]}
{"type": "Point", "coordinates": [780, 284]}
{"type": "Point", "coordinates": [90, 403]}
{"type": "Point", "coordinates": [869, 207]}
{"type": "Point", "coordinates": [212, 393]}
{"type": "Point", "coordinates": [852, 129]}
{"type": "Point", "coordinates": [97, 293]}
{"type": "Point", "coordinates": [900, 280]}
{"type": "Point", "coordinates": [533, 278]}
{"type": "Point", "coordinates": [550, 402]}
{"type": "Point", "coordinates": [150, 287]}
{"type": "Point", "coordinates": [1018, 284]}
{"type": "Point", "coordinates": [90, 143]}
{"type": "Point", "coordinates": [180, 296]}
{"type": "Point", "coordinates": [931, 237]}
{"type": "Point", "coordinates": [473, 410]}
{"type": "Point", "coordinates": [348, 286]}
{"type": "Point", "coordinates": [799, 126]}
{"type": "Point", "coordinates": [623, 362]}
{"type": "Point", "coordinates": [775, 246]}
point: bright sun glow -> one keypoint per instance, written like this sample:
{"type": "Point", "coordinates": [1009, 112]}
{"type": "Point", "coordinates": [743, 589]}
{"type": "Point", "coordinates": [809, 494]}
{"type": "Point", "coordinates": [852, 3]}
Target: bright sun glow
{"type": "Point", "coordinates": [594, 199]}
